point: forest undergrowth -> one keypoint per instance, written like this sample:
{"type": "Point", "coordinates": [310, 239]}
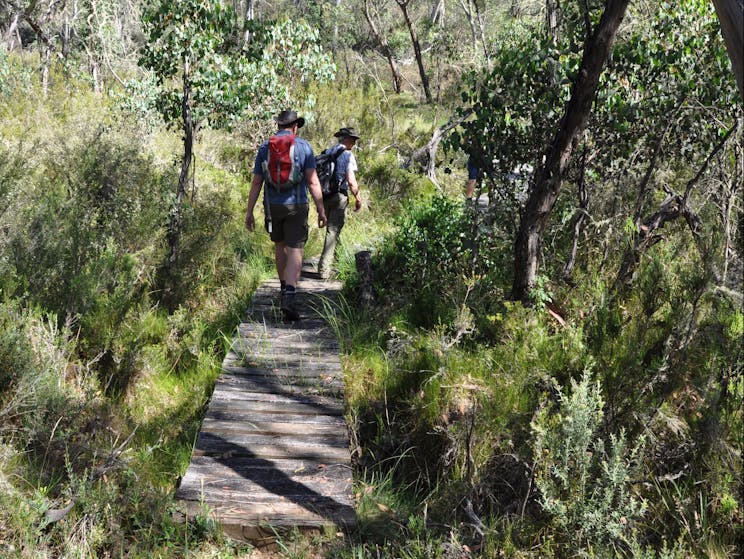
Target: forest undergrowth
{"type": "Point", "coordinates": [601, 418]}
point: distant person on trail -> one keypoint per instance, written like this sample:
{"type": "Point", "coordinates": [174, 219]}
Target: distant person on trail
{"type": "Point", "coordinates": [285, 164]}
{"type": "Point", "coordinates": [336, 198]}
{"type": "Point", "coordinates": [473, 176]}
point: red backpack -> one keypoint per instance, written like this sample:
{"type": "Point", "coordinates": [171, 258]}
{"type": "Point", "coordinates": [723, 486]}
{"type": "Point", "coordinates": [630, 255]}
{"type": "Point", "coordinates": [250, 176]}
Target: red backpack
{"type": "Point", "coordinates": [280, 170]}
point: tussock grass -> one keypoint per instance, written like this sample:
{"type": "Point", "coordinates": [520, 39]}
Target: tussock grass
{"type": "Point", "coordinates": [445, 379]}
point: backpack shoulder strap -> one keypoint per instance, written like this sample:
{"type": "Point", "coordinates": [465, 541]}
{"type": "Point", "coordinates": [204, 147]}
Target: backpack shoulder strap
{"type": "Point", "coordinates": [338, 151]}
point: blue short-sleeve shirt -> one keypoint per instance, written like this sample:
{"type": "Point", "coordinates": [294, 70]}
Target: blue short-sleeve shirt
{"type": "Point", "coordinates": [304, 159]}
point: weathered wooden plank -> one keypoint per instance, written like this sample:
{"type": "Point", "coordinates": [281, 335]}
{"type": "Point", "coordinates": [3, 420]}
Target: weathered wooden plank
{"type": "Point", "coordinates": [329, 447]}
{"type": "Point", "coordinates": [295, 364]}
{"type": "Point", "coordinates": [283, 465]}
{"type": "Point", "coordinates": [274, 427]}
{"type": "Point", "coordinates": [272, 451]}
{"type": "Point", "coordinates": [299, 442]}
{"type": "Point", "coordinates": [274, 393]}
{"type": "Point", "coordinates": [306, 502]}
{"type": "Point", "coordinates": [231, 515]}
{"type": "Point", "coordinates": [278, 403]}
{"type": "Point", "coordinates": [285, 385]}
{"type": "Point", "coordinates": [301, 507]}
{"type": "Point", "coordinates": [321, 341]}
{"type": "Point", "coordinates": [276, 409]}
{"type": "Point", "coordinates": [285, 358]}
{"type": "Point", "coordinates": [266, 485]}
{"type": "Point", "coordinates": [266, 330]}
{"type": "Point", "coordinates": [309, 372]}
{"type": "Point", "coordinates": [290, 384]}
{"type": "Point", "coordinates": [249, 416]}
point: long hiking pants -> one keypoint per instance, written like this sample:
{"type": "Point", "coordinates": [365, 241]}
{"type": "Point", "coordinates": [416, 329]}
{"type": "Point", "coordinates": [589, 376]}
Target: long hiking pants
{"type": "Point", "coordinates": [335, 209]}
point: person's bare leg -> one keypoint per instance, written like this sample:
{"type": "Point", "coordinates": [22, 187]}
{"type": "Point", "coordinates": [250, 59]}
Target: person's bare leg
{"type": "Point", "coordinates": [280, 257]}
{"type": "Point", "coordinates": [292, 268]}
{"type": "Point", "coordinates": [293, 265]}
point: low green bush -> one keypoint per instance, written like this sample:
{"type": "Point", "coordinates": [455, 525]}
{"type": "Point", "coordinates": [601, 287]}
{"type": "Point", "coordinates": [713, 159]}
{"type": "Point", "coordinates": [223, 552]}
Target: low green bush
{"type": "Point", "coordinates": [586, 488]}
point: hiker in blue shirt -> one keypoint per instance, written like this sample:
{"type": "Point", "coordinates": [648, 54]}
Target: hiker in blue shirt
{"type": "Point", "coordinates": [335, 204]}
{"type": "Point", "coordinates": [286, 204]}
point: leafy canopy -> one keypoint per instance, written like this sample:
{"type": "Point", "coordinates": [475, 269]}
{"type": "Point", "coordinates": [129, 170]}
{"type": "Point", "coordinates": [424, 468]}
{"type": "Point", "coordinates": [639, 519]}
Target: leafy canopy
{"type": "Point", "coordinates": [198, 46]}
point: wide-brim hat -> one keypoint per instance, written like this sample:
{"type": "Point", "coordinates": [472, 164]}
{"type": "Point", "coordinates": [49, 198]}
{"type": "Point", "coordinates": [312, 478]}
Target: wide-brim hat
{"type": "Point", "coordinates": [346, 132]}
{"type": "Point", "coordinates": [289, 117]}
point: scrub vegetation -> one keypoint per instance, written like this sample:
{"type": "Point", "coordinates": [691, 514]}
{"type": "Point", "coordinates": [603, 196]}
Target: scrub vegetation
{"type": "Point", "coordinates": [593, 411]}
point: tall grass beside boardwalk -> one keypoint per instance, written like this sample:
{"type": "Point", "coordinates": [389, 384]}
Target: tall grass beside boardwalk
{"type": "Point", "coordinates": [511, 431]}
{"type": "Point", "coordinates": [580, 425]}
{"type": "Point", "coordinates": [102, 389]}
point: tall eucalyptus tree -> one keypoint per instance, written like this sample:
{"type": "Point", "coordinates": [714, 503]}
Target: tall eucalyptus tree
{"type": "Point", "coordinates": [550, 176]}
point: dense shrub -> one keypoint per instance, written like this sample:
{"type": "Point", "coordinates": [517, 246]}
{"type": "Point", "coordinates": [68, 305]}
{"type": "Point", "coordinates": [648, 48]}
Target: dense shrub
{"type": "Point", "coordinates": [443, 256]}
{"type": "Point", "coordinates": [586, 488]}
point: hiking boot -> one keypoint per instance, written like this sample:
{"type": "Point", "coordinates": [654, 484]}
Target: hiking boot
{"type": "Point", "coordinates": [289, 306]}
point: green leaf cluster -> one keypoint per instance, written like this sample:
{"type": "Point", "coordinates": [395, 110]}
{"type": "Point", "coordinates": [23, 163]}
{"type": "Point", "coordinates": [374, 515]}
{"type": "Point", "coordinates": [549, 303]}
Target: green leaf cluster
{"type": "Point", "coordinates": [201, 56]}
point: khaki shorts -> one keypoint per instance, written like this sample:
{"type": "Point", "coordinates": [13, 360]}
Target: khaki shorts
{"type": "Point", "coordinates": [289, 224]}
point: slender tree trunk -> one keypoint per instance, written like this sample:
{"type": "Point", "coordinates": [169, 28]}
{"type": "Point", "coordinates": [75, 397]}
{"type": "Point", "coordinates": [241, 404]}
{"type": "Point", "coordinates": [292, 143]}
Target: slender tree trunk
{"type": "Point", "coordinates": [95, 76]}
{"type": "Point", "coordinates": [727, 235]}
{"type": "Point", "coordinates": [465, 4]}
{"type": "Point", "coordinates": [384, 47]}
{"type": "Point", "coordinates": [174, 228]}
{"type": "Point", "coordinates": [403, 4]}
{"type": "Point", "coordinates": [579, 222]}
{"type": "Point", "coordinates": [249, 15]}
{"type": "Point", "coordinates": [481, 28]}
{"type": "Point", "coordinates": [437, 12]}
{"type": "Point", "coordinates": [731, 15]}
{"type": "Point", "coordinates": [551, 20]}
{"type": "Point", "coordinates": [730, 194]}
{"type": "Point", "coordinates": [11, 33]}
{"type": "Point", "coordinates": [46, 57]}
{"type": "Point", "coordinates": [334, 44]}
{"type": "Point", "coordinates": [549, 179]}
{"type": "Point", "coordinates": [66, 36]}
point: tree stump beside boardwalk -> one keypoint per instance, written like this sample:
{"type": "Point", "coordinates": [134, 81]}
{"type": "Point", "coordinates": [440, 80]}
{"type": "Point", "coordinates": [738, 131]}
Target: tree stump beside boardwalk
{"type": "Point", "coordinates": [273, 450]}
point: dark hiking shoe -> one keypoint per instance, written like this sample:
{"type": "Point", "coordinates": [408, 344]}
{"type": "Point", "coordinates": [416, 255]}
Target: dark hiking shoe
{"type": "Point", "coordinates": [289, 306]}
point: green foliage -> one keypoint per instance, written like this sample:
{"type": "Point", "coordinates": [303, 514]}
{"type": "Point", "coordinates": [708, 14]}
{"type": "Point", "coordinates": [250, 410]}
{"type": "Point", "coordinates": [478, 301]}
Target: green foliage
{"type": "Point", "coordinates": [4, 72]}
{"type": "Point", "coordinates": [515, 106]}
{"type": "Point", "coordinates": [192, 50]}
{"type": "Point", "coordinates": [15, 77]}
{"type": "Point", "coordinates": [83, 241]}
{"type": "Point", "coordinates": [14, 346]}
{"type": "Point", "coordinates": [675, 55]}
{"type": "Point", "coordinates": [437, 262]}
{"type": "Point", "coordinates": [424, 254]}
{"type": "Point", "coordinates": [586, 489]}
{"type": "Point", "coordinates": [439, 424]}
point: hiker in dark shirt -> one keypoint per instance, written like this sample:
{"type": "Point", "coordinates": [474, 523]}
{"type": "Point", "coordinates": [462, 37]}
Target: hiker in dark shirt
{"type": "Point", "coordinates": [335, 204]}
{"type": "Point", "coordinates": [286, 209]}
{"type": "Point", "coordinates": [473, 176]}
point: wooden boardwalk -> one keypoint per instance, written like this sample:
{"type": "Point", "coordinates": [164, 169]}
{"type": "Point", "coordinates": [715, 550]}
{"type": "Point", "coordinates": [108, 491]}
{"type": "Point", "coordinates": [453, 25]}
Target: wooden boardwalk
{"type": "Point", "coordinates": [273, 450]}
